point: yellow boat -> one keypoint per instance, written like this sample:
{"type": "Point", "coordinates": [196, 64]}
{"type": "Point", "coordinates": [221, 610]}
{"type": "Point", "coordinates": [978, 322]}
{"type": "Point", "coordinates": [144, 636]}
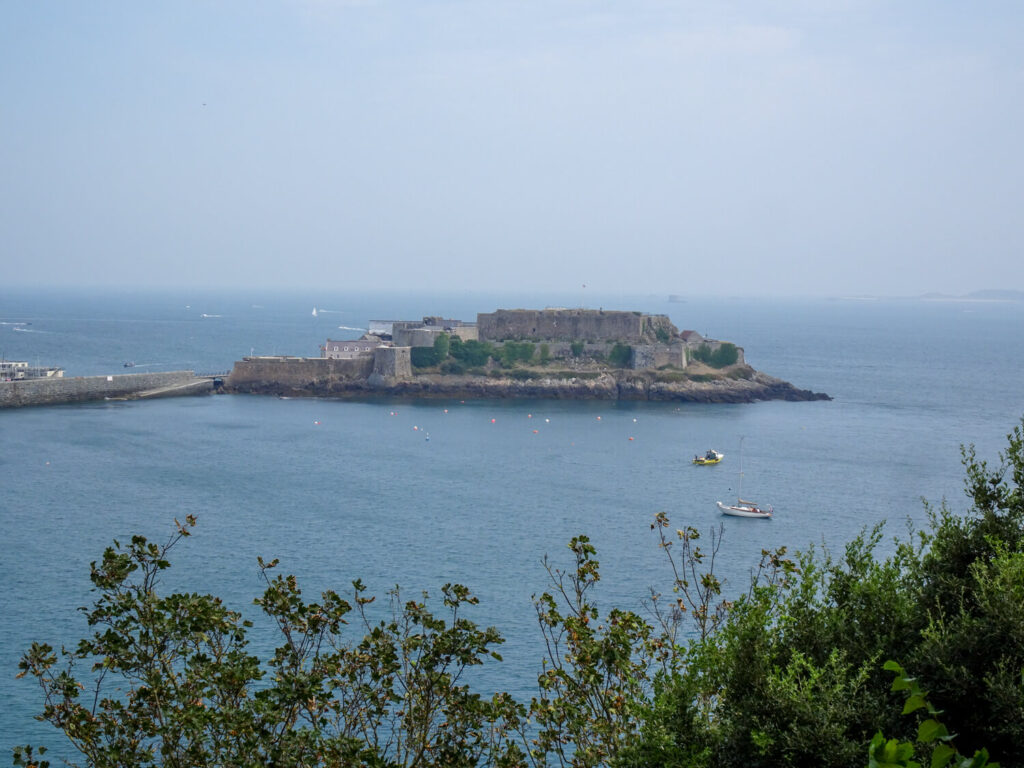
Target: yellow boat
{"type": "Point", "coordinates": [711, 457]}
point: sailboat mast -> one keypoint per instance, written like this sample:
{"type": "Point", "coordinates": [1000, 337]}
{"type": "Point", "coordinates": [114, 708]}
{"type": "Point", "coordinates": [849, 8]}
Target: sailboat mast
{"type": "Point", "coordinates": [739, 495]}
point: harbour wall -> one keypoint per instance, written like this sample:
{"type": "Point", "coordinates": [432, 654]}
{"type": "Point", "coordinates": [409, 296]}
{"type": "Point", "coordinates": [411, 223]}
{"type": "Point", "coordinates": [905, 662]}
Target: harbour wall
{"type": "Point", "coordinates": [77, 389]}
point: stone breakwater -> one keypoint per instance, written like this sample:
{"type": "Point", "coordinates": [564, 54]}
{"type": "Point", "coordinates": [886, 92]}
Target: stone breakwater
{"type": "Point", "coordinates": [79, 389]}
{"type": "Point", "coordinates": [296, 381]}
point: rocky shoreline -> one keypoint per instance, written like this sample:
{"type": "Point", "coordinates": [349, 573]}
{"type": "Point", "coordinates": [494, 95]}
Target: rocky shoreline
{"type": "Point", "coordinates": [603, 386]}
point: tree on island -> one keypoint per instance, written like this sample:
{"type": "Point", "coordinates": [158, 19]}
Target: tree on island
{"type": "Point", "coordinates": [798, 671]}
{"type": "Point", "coordinates": [442, 345]}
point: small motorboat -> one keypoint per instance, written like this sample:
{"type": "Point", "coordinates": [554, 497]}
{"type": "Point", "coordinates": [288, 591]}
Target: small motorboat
{"type": "Point", "coordinates": [711, 457]}
{"type": "Point", "coordinates": [129, 364]}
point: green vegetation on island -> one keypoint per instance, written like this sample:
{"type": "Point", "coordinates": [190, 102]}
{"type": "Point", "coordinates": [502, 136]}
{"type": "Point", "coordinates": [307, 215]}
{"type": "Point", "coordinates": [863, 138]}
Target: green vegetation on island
{"type": "Point", "coordinates": [524, 360]}
{"type": "Point", "coordinates": [725, 355]}
{"type": "Point", "coordinates": [828, 659]}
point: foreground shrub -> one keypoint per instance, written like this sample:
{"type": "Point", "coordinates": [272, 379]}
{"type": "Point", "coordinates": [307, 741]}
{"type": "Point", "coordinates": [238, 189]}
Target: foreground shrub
{"type": "Point", "coordinates": [172, 683]}
{"type": "Point", "coordinates": [795, 674]}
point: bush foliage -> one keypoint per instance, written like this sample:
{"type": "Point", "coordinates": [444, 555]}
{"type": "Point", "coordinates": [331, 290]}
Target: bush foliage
{"type": "Point", "coordinates": [512, 352]}
{"type": "Point", "coordinates": [725, 354]}
{"type": "Point", "coordinates": [453, 367]}
{"type": "Point", "coordinates": [795, 672]}
{"type": "Point", "coordinates": [473, 353]}
{"type": "Point", "coordinates": [621, 355]}
{"type": "Point", "coordinates": [442, 346]}
{"type": "Point", "coordinates": [423, 357]}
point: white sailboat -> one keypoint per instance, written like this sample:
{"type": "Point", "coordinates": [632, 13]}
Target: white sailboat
{"type": "Point", "coordinates": [314, 311]}
{"type": "Point", "coordinates": [743, 508]}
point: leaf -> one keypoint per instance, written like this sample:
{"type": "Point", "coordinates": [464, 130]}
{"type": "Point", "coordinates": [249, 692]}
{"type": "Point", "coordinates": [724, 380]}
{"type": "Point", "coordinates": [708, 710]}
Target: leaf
{"type": "Point", "coordinates": [941, 755]}
{"type": "Point", "coordinates": [914, 703]}
{"type": "Point", "coordinates": [980, 760]}
{"type": "Point", "coordinates": [890, 754]}
{"type": "Point", "coordinates": [930, 730]}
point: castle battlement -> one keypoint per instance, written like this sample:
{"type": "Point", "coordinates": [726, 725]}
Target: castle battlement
{"type": "Point", "coordinates": [574, 325]}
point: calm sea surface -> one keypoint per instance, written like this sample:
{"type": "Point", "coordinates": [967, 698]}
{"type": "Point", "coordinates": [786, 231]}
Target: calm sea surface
{"type": "Point", "coordinates": [345, 490]}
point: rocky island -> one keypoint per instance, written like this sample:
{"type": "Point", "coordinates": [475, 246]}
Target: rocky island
{"type": "Point", "coordinates": [522, 353]}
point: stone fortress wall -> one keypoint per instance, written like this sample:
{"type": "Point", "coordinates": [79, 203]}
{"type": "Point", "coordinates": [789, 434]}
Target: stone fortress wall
{"type": "Point", "coordinates": [392, 363]}
{"type": "Point", "coordinates": [413, 333]}
{"type": "Point", "coordinates": [659, 355]}
{"type": "Point", "coordinates": [298, 372]}
{"type": "Point", "coordinates": [416, 337]}
{"type": "Point", "coordinates": [570, 325]}
{"type": "Point", "coordinates": [385, 366]}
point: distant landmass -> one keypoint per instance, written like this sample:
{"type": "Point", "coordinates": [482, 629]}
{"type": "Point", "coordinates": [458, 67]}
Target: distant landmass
{"type": "Point", "coordinates": [988, 294]}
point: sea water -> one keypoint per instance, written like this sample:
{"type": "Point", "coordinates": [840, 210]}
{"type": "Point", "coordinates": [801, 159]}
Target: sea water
{"type": "Point", "coordinates": [422, 493]}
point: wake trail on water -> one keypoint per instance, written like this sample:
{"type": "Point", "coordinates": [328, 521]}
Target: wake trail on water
{"type": "Point", "coordinates": [349, 328]}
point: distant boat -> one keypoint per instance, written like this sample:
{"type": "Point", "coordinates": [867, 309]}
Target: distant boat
{"type": "Point", "coordinates": [314, 311]}
{"type": "Point", "coordinates": [744, 508]}
{"type": "Point", "coordinates": [129, 364]}
{"type": "Point", "coordinates": [711, 457]}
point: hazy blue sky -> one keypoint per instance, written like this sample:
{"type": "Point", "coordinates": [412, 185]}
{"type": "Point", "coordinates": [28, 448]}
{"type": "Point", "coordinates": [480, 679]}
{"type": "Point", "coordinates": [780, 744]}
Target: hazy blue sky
{"type": "Point", "coordinates": [786, 147]}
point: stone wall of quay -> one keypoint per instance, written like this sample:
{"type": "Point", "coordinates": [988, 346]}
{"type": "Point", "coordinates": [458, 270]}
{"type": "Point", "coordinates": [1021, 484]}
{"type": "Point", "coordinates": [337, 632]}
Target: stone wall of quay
{"type": "Point", "coordinates": [76, 389]}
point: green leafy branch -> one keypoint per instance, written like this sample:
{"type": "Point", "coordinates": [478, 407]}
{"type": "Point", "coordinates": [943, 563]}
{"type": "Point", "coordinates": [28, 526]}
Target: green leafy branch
{"type": "Point", "coordinates": [893, 753]}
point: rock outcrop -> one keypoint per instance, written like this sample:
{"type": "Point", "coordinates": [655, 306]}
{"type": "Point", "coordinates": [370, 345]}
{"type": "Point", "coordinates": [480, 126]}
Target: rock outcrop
{"type": "Point", "coordinates": [624, 385]}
